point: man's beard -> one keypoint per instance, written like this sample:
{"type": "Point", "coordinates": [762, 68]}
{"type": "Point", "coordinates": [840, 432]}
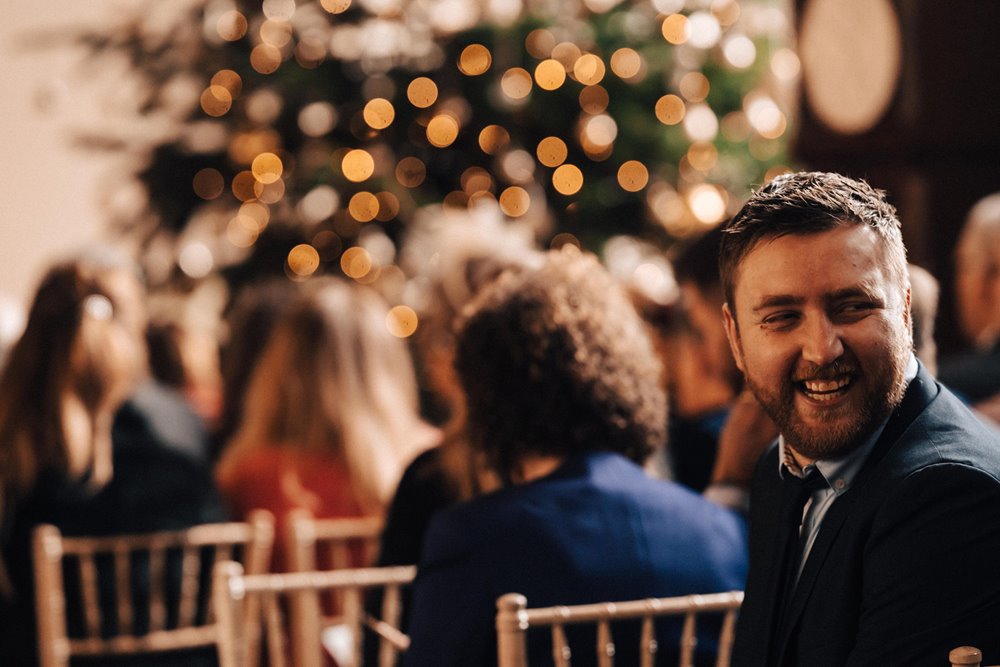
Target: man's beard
{"type": "Point", "coordinates": [883, 391]}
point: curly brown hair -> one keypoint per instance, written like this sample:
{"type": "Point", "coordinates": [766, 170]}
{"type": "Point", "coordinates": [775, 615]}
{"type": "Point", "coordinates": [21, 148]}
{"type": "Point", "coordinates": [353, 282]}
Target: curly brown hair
{"type": "Point", "coordinates": [555, 361]}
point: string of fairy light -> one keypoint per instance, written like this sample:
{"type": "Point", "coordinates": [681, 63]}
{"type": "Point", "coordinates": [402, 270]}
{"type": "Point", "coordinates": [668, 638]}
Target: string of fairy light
{"type": "Point", "coordinates": [375, 181]}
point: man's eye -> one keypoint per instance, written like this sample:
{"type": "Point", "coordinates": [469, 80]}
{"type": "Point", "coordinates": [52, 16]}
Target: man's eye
{"type": "Point", "coordinates": [855, 309]}
{"type": "Point", "coordinates": [780, 320]}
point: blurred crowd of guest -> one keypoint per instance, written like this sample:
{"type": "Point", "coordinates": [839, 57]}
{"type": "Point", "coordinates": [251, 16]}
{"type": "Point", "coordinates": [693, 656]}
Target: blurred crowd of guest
{"type": "Point", "coordinates": [534, 381]}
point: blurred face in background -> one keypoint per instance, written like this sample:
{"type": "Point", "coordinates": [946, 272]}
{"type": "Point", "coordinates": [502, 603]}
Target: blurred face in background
{"type": "Point", "coordinates": [704, 311]}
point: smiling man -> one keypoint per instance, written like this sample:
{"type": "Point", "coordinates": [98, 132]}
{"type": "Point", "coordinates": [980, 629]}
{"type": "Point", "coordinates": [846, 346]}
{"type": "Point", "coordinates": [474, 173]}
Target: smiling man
{"type": "Point", "coordinates": [875, 519]}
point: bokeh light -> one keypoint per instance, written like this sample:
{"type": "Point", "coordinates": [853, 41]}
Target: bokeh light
{"type": "Point", "coordinates": [379, 113]}
{"type": "Point", "coordinates": [358, 165]}
{"type": "Point", "coordinates": [594, 100]}
{"type": "Point", "coordinates": [675, 29]}
{"type": "Point", "coordinates": [475, 60]}
{"type": "Point", "coordinates": [243, 186]}
{"type": "Point", "coordinates": [401, 321]}
{"type": "Point", "coordinates": [356, 262]}
{"type": "Point", "coordinates": [208, 183]}
{"type": "Point", "coordinates": [317, 119]}
{"type": "Point", "coordinates": [231, 26]}
{"type": "Point", "coordinates": [410, 172]}
{"type": "Point", "coordinates": [589, 69]}
{"type": "Point", "coordinates": [493, 139]}
{"type": "Point", "coordinates": [363, 206]}
{"type": "Point", "coordinates": [265, 59]}
{"type": "Point", "coordinates": [694, 86]}
{"type": "Point", "coordinates": [516, 83]}
{"type": "Point", "coordinates": [216, 101]}
{"type": "Point", "coordinates": [551, 151]}
{"type": "Point", "coordinates": [633, 176]}
{"type": "Point", "coordinates": [267, 168]}
{"type": "Point", "coordinates": [442, 130]}
{"type": "Point", "coordinates": [388, 206]}
{"type": "Point", "coordinates": [195, 259]}
{"type": "Point", "coordinates": [550, 74]}
{"type": "Point", "coordinates": [567, 179]}
{"type": "Point", "coordinates": [422, 92]}
{"type": "Point", "coordinates": [229, 80]}
{"type": "Point", "coordinates": [303, 260]}
{"type": "Point", "coordinates": [670, 110]}
{"type": "Point", "coordinates": [336, 6]}
{"type": "Point", "coordinates": [514, 201]}
{"type": "Point", "coordinates": [626, 63]}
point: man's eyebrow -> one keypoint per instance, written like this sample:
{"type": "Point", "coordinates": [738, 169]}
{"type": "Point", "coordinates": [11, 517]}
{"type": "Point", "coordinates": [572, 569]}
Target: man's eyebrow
{"type": "Point", "coordinates": [862, 291]}
{"type": "Point", "coordinates": [777, 300]}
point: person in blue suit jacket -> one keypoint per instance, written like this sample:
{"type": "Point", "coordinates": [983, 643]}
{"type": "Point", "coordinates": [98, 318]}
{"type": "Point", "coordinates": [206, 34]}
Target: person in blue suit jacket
{"type": "Point", "coordinates": [565, 401]}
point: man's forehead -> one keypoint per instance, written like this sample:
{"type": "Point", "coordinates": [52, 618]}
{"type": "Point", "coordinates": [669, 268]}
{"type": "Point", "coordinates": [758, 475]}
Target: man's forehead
{"type": "Point", "coordinates": [830, 262]}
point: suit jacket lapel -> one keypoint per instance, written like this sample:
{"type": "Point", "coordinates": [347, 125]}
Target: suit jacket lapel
{"type": "Point", "coordinates": [921, 391]}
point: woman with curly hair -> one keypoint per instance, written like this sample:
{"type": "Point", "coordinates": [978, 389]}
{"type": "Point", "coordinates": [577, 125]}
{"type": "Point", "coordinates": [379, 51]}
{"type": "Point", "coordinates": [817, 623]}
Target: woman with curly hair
{"type": "Point", "coordinates": [565, 401]}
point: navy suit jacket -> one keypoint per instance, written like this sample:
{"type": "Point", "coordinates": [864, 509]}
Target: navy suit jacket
{"type": "Point", "coordinates": [596, 529]}
{"type": "Point", "coordinates": [905, 564]}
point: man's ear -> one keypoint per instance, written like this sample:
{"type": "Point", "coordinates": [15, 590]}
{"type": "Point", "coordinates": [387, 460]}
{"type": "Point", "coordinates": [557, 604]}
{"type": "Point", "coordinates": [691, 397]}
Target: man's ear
{"type": "Point", "coordinates": [733, 334]}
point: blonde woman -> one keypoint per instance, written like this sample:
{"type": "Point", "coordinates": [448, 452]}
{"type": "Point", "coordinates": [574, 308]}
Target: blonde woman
{"type": "Point", "coordinates": [331, 413]}
{"type": "Point", "coordinates": [79, 357]}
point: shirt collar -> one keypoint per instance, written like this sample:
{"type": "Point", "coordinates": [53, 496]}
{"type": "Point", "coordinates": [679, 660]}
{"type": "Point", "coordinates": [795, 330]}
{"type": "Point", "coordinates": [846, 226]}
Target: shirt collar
{"type": "Point", "coordinates": [839, 473]}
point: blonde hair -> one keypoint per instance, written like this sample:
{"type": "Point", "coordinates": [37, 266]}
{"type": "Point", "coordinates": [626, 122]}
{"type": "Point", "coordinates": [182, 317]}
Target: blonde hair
{"type": "Point", "coordinates": [333, 379]}
{"type": "Point", "coordinates": [74, 365]}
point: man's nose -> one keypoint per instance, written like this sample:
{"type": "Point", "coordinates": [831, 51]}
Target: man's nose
{"type": "Point", "coordinates": [821, 343]}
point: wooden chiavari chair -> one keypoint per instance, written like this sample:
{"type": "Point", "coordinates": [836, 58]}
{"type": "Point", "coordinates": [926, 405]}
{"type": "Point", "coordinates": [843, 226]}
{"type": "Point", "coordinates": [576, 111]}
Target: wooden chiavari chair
{"type": "Point", "coordinates": [158, 580]}
{"type": "Point", "coordinates": [263, 606]}
{"type": "Point", "coordinates": [514, 618]}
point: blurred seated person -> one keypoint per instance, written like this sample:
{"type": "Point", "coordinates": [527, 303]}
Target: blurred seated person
{"type": "Point", "coordinates": [331, 414]}
{"type": "Point", "coordinates": [975, 375]}
{"type": "Point", "coordinates": [924, 294]}
{"type": "Point", "coordinates": [468, 251]}
{"type": "Point", "coordinates": [80, 356]}
{"type": "Point", "coordinates": [157, 413]}
{"type": "Point", "coordinates": [703, 381]}
{"type": "Point", "coordinates": [247, 326]}
{"type": "Point", "coordinates": [565, 402]}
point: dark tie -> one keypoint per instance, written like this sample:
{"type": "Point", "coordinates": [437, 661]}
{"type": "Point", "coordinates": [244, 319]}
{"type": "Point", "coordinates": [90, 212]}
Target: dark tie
{"type": "Point", "coordinates": [797, 492]}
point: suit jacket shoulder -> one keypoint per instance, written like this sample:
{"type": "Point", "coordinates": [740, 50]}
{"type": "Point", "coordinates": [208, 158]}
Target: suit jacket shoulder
{"type": "Point", "coordinates": [902, 552]}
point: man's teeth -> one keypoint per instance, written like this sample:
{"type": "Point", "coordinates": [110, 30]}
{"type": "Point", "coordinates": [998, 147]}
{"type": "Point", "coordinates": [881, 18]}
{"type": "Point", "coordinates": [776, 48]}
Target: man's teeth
{"type": "Point", "coordinates": [825, 386]}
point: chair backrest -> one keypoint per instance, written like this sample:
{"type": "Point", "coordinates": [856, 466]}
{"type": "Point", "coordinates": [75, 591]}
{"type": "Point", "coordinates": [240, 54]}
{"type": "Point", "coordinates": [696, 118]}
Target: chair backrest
{"type": "Point", "coordinates": [268, 606]}
{"type": "Point", "coordinates": [139, 593]}
{"type": "Point", "coordinates": [331, 544]}
{"type": "Point", "coordinates": [514, 619]}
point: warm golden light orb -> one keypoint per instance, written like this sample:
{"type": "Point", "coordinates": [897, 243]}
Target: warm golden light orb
{"type": "Point", "coordinates": [551, 151]}
{"type": "Point", "coordinates": [442, 130]}
{"type": "Point", "coordinates": [567, 179]}
{"type": "Point", "coordinates": [475, 60]}
{"type": "Point", "coordinates": [589, 69]}
{"type": "Point", "coordinates": [267, 168]}
{"type": "Point", "coordinates": [676, 29]}
{"type": "Point", "coordinates": [363, 206]}
{"type": "Point", "coordinates": [379, 113]}
{"type": "Point", "coordinates": [422, 92]}
{"type": "Point", "coordinates": [493, 139]}
{"type": "Point", "coordinates": [670, 109]}
{"type": "Point", "coordinates": [514, 201]}
{"type": "Point", "coordinates": [357, 165]}
{"type": "Point", "coordinates": [550, 74]}
{"type": "Point", "coordinates": [303, 260]}
{"type": "Point", "coordinates": [633, 176]}
{"type": "Point", "coordinates": [401, 321]}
